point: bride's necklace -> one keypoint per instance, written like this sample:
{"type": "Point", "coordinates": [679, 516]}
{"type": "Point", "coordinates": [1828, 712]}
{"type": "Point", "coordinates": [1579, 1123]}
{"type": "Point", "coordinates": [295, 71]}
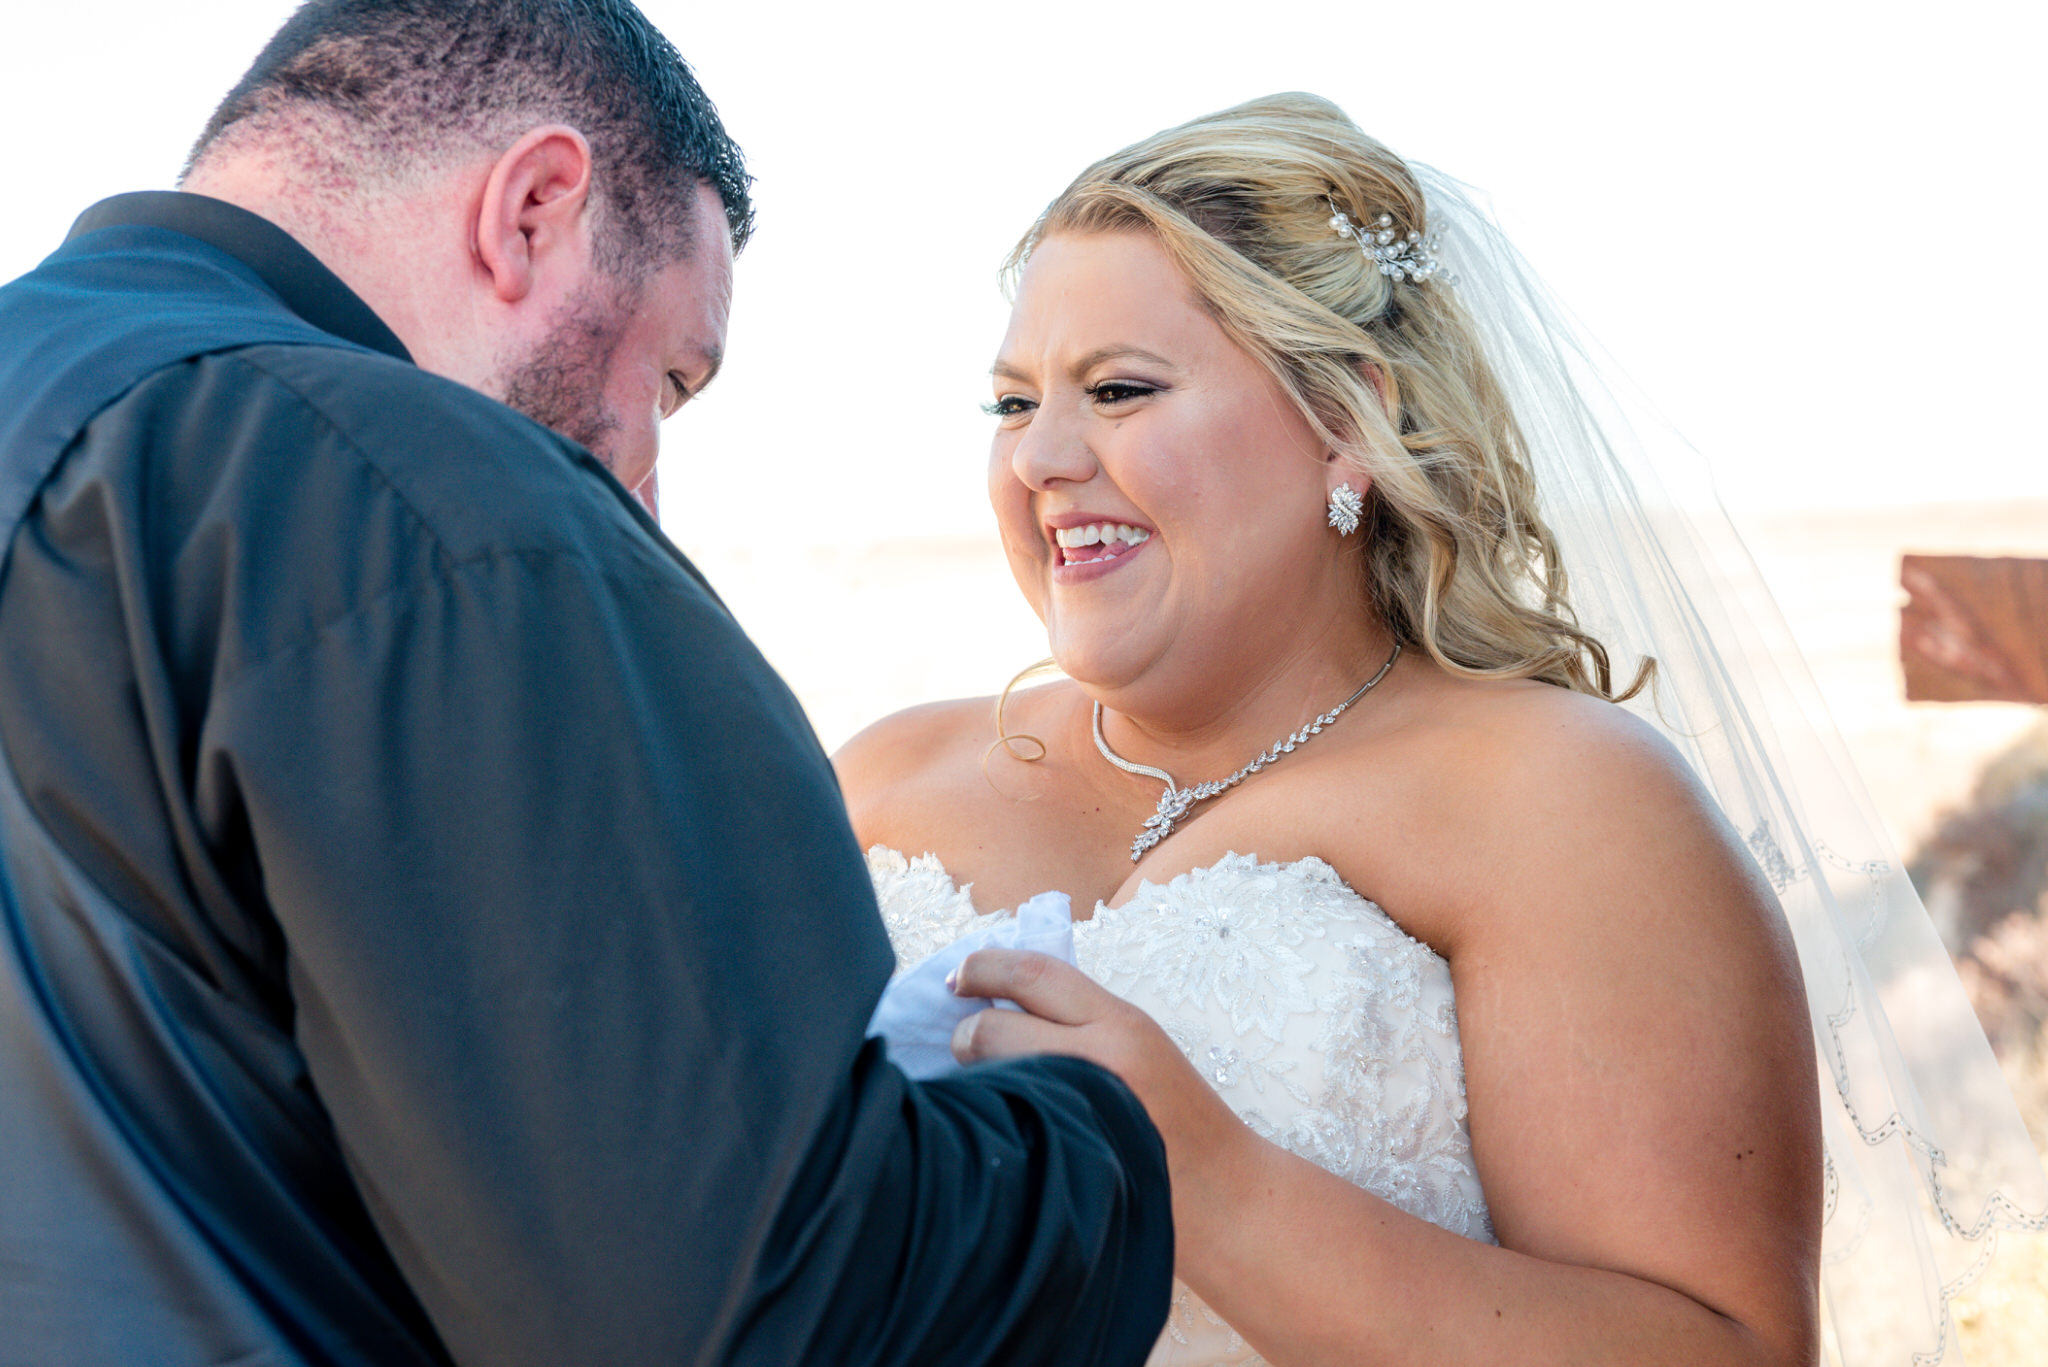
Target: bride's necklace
{"type": "Point", "coordinates": [1176, 801]}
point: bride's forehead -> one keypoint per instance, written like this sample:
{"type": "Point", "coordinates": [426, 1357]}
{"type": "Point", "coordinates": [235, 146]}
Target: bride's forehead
{"type": "Point", "coordinates": [1075, 283]}
{"type": "Point", "coordinates": [1132, 249]}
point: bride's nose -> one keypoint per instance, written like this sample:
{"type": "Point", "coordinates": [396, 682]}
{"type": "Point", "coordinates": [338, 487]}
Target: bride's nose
{"type": "Point", "coordinates": [1051, 452]}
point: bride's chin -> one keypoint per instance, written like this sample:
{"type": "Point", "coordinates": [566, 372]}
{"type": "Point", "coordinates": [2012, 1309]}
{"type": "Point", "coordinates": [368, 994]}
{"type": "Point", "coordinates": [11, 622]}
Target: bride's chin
{"type": "Point", "coordinates": [1101, 660]}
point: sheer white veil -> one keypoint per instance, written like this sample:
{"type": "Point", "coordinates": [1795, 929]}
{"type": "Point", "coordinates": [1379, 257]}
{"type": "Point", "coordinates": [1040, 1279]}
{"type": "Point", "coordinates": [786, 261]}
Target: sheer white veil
{"type": "Point", "coordinates": [1927, 1157]}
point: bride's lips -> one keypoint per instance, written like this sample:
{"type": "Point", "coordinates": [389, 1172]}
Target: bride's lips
{"type": "Point", "coordinates": [1116, 541]}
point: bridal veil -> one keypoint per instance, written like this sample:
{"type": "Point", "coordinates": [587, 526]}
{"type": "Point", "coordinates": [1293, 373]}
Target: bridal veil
{"type": "Point", "coordinates": [1928, 1160]}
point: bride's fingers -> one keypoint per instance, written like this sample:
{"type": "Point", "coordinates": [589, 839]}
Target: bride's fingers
{"type": "Point", "coordinates": [989, 1035]}
{"type": "Point", "coordinates": [1039, 983]}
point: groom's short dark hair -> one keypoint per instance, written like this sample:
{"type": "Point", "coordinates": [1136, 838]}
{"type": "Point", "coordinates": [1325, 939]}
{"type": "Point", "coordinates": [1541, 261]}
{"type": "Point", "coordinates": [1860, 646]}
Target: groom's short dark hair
{"type": "Point", "coordinates": [414, 74]}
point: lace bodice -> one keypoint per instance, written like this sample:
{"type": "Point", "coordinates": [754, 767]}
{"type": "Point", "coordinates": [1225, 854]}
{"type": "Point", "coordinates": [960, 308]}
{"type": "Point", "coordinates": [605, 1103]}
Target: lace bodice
{"type": "Point", "coordinates": [1327, 1028]}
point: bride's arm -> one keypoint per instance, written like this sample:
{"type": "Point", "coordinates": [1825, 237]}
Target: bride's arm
{"type": "Point", "coordinates": [1644, 1105]}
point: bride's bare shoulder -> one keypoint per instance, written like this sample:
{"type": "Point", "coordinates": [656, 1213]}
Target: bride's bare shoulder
{"type": "Point", "coordinates": [1564, 768]}
{"type": "Point", "coordinates": [907, 746]}
{"type": "Point", "coordinates": [1590, 811]}
{"type": "Point", "coordinates": [903, 774]}
{"type": "Point", "coordinates": [1585, 757]}
{"type": "Point", "coordinates": [1474, 790]}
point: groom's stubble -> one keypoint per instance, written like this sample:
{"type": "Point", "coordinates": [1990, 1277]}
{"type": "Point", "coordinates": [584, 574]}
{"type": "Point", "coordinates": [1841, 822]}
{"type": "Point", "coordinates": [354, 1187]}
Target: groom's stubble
{"type": "Point", "coordinates": [561, 382]}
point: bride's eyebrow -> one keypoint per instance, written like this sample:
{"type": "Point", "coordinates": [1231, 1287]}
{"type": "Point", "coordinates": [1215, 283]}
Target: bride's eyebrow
{"type": "Point", "coordinates": [1119, 351]}
{"type": "Point", "coordinates": [1115, 351]}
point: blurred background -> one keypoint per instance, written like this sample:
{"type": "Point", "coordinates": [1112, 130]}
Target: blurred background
{"type": "Point", "coordinates": [1805, 231]}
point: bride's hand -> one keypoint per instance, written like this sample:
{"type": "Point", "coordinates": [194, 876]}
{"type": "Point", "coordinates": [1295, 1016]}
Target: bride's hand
{"type": "Point", "coordinates": [1067, 1012]}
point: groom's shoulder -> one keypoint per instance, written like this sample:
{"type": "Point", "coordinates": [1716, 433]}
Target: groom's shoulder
{"type": "Point", "coordinates": [476, 475]}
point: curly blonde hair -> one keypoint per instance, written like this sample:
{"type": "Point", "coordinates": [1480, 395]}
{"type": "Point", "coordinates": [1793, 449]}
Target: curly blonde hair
{"type": "Point", "coordinates": [1389, 371]}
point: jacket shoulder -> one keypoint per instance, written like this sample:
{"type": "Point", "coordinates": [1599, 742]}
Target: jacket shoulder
{"type": "Point", "coordinates": [271, 491]}
{"type": "Point", "coordinates": [480, 476]}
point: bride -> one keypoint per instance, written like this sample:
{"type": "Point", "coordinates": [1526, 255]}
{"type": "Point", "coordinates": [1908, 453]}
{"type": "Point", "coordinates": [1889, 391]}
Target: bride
{"type": "Point", "coordinates": [1408, 904]}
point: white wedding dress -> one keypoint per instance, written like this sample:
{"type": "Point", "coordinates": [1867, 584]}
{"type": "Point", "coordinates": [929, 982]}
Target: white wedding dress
{"type": "Point", "coordinates": [1328, 1029]}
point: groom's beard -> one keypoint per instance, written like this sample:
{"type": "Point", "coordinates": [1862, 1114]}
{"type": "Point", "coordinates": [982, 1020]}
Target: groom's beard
{"type": "Point", "coordinates": [561, 383]}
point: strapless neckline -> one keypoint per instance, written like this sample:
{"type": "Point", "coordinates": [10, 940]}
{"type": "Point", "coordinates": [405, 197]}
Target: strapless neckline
{"type": "Point", "coordinates": [1328, 1029]}
{"type": "Point", "coordinates": [1309, 867]}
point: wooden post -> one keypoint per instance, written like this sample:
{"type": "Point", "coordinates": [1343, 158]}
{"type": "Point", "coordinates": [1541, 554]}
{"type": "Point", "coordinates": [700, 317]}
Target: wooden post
{"type": "Point", "coordinates": [1974, 629]}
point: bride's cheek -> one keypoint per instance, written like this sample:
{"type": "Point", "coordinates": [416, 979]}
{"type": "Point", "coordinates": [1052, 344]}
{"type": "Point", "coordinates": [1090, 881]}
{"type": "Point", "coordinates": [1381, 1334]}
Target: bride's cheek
{"type": "Point", "coordinates": [1003, 485]}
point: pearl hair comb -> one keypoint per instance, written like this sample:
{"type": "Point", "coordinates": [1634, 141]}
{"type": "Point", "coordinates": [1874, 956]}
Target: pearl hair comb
{"type": "Point", "coordinates": [1398, 255]}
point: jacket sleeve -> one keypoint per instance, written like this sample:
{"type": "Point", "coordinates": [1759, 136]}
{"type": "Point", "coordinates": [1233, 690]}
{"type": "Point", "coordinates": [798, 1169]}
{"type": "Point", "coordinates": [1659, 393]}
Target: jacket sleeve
{"type": "Point", "coordinates": [581, 952]}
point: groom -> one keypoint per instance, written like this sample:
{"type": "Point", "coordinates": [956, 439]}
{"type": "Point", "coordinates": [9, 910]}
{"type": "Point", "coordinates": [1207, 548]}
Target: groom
{"type": "Point", "coordinates": [428, 931]}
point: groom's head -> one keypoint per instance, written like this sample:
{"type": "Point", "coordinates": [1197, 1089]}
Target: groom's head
{"type": "Point", "coordinates": [535, 194]}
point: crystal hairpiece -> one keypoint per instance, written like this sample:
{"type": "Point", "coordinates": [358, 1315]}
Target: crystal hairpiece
{"type": "Point", "coordinates": [1398, 255]}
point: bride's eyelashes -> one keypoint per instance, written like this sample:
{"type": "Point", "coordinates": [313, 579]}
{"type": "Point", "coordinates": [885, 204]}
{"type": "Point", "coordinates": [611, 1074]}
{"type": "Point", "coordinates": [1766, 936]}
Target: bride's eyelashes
{"type": "Point", "coordinates": [1008, 406]}
{"type": "Point", "coordinates": [1107, 394]}
{"type": "Point", "coordinates": [1110, 393]}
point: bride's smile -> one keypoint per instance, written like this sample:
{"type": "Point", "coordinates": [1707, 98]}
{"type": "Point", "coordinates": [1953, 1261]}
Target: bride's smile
{"type": "Point", "coordinates": [1089, 546]}
{"type": "Point", "coordinates": [1160, 496]}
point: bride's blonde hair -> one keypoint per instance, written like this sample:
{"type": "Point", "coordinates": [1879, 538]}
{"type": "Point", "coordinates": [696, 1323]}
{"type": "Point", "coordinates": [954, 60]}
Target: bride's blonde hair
{"type": "Point", "coordinates": [1389, 372]}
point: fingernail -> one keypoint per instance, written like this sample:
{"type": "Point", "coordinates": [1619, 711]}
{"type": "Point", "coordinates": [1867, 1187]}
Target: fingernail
{"type": "Point", "coordinates": [953, 982]}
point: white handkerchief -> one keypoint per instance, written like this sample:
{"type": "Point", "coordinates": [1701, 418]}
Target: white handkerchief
{"type": "Point", "coordinates": [917, 1013]}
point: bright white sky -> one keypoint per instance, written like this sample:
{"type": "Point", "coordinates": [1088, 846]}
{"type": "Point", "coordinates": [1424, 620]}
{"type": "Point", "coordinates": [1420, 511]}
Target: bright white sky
{"type": "Point", "coordinates": [1812, 232]}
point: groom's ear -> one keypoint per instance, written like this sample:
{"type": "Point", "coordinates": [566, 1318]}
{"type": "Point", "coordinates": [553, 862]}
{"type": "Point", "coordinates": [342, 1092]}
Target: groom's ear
{"type": "Point", "coordinates": [534, 210]}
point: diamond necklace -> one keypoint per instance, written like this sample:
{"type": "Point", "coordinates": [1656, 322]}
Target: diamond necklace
{"type": "Point", "coordinates": [1176, 801]}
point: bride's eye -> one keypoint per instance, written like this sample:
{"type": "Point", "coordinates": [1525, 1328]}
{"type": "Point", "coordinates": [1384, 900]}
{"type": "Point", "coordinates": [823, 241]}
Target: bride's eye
{"type": "Point", "coordinates": [1008, 406]}
{"type": "Point", "coordinates": [1119, 391]}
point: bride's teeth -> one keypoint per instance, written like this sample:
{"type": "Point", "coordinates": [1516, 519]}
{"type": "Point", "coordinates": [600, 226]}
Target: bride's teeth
{"type": "Point", "coordinates": [1099, 534]}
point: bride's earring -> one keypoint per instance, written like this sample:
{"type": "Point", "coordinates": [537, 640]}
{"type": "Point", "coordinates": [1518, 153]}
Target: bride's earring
{"type": "Point", "coordinates": [1346, 503]}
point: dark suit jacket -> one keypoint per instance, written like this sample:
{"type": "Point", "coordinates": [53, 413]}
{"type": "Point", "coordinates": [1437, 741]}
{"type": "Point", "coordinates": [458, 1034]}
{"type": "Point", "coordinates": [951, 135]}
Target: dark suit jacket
{"type": "Point", "coordinates": [428, 929]}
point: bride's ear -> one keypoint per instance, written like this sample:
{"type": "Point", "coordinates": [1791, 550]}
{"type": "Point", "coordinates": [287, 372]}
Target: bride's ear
{"type": "Point", "coordinates": [1339, 471]}
{"type": "Point", "coordinates": [1377, 378]}
{"type": "Point", "coordinates": [1336, 469]}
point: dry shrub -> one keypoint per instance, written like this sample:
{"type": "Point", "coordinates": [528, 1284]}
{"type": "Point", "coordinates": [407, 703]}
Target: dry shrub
{"type": "Point", "coordinates": [1984, 875]}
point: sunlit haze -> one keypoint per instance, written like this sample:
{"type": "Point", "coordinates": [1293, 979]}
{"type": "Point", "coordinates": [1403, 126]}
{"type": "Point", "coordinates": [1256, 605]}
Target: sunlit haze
{"type": "Point", "coordinates": [1811, 233]}
{"type": "Point", "coordinates": [1806, 231]}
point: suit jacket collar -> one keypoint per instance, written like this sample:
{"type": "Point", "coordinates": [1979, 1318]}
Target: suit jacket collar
{"type": "Point", "coordinates": [292, 273]}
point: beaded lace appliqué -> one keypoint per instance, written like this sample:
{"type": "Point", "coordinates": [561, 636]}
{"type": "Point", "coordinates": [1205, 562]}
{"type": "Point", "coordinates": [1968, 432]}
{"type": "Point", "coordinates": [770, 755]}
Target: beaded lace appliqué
{"type": "Point", "coordinates": [1326, 1027]}
{"type": "Point", "coordinates": [921, 908]}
